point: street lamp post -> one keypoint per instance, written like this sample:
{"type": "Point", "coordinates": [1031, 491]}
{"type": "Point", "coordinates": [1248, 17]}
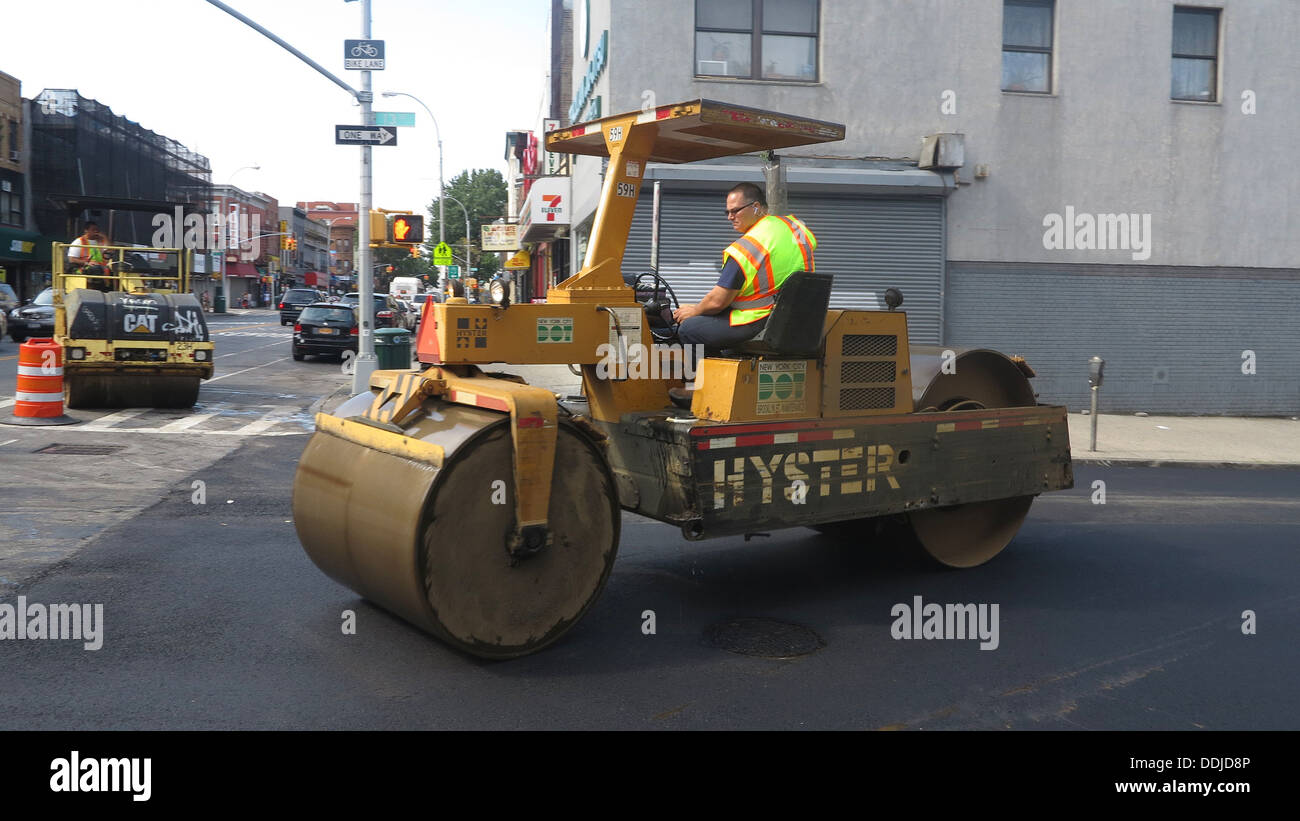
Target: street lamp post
{"type": "Point", "coordinates": [442, 222]}
{"type": "Point", "coordinates": [462, 207]}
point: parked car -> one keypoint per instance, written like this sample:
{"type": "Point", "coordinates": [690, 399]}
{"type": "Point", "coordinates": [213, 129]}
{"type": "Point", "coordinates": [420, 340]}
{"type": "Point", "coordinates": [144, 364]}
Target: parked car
{"type": "Point", "coordinates": [412, 314]}
{"type": "Point", "coordinates": [8, 299]}
{"type": "Point", "coordinates": [389, 311]}
{"type": "Point", "coordinates": [294, 300]}
{"type": "Point", "coordinates": [35, 318]}
{"type": "Point", "coordinates": [325, 328]}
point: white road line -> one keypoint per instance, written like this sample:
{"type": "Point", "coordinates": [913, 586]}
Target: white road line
{"type": "Point", "coordinates": [6, 403]}
{"type": "Point", "coordinates": [246, 350]}
{"type": "Point", "coordinates": [265, 423]}
{"type": "Point", "coordinates": [238, 432]}
{"type": "Point", "coordinates": [113, 418]}
{"type": "Point", "coordinates": [2, 444]}
{"type": "Point", "coordinates": [246, 370]}
{"type": "Point", "coordinates": [186, 422]}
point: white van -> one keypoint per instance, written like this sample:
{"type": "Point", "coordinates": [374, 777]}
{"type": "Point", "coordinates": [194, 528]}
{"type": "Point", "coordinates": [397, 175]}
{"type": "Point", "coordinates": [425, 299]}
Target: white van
{"type": "Point", "coordinates": [404, 288]}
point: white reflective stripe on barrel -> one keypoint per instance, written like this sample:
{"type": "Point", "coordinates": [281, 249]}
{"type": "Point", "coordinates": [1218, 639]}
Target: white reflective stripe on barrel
{"type": "Point", "coordinates": [31, 396]}
{"type": "Point", "coordinates": [39, 370]}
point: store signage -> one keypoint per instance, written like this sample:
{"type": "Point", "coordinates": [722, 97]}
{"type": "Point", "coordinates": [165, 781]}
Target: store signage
{"type": "Point", "coordinates": [594, 69]}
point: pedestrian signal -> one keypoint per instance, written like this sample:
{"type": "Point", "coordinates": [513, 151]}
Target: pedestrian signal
{"type": "Point", "coordinates": [406, 228]}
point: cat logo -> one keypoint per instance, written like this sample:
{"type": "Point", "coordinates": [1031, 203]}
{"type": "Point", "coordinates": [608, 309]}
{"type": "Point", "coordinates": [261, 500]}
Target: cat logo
{"type": "Point", "coordinates": [139, 323]}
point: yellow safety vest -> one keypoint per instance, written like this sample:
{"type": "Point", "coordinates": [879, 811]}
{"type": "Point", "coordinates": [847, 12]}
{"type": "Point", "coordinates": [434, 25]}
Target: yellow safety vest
{"type": "Point", "coordinates": [773, 249]}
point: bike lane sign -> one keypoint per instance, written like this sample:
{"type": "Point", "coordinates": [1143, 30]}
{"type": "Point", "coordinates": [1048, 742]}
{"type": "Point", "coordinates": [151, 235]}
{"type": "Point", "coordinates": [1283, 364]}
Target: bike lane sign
{"type": "Point", "coordinates": [363, 55]}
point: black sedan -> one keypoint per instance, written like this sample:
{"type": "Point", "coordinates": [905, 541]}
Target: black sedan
{"type": "Point", "coordinates": [36, 318]}
{"type": "Point", "coordinates": [325, 328]}
{"type": "Point", "coordinates": [389, 311]}
{"type": "Point", "coordinates": [294, 300]}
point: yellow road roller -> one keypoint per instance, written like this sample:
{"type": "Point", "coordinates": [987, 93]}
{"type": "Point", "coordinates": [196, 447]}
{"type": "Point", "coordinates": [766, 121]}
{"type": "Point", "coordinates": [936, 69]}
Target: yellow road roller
{"type": "Point", "coordinates": [132, 334]}
{"type": "Point", "coordinates": [486, 510]}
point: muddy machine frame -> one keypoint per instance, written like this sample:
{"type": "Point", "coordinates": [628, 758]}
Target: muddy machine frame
{"type": "Point", "coordinates": [486, 510]}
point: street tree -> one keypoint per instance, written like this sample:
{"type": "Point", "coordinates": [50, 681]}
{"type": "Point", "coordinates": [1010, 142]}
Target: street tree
{"type": "Point", "coordinates": [483, 192]}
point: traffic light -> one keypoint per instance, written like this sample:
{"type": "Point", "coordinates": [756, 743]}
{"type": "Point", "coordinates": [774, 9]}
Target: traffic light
{"type": "Point", "coordinates": [406, 228]}
{"type": "Point", "coordinates": [415, 251]}
{"type": "Point", "coordinates": [284, 243]}
{"type": "Point", "coordinates": [388, 270]}
{"type": "Point", "coordinates": [378, 226]}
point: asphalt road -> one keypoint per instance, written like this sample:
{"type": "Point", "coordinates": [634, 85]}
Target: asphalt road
{"type": "Point", "coordinates": [1122, 615]}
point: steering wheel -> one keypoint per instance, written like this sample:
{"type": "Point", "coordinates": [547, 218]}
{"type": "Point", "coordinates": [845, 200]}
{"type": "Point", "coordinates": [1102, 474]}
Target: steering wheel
{"type": "Point", "coordinates": [655, 307]}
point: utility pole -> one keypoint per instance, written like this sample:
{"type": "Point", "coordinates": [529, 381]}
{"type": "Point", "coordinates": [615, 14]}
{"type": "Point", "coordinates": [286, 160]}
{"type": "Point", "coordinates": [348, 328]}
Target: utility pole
{"type": "Point", "coordinates": [366, 362]}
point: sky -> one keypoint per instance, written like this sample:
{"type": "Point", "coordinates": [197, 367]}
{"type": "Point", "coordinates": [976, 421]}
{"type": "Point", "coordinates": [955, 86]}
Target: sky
{"type": "Point", "coordinates": [188, 70]}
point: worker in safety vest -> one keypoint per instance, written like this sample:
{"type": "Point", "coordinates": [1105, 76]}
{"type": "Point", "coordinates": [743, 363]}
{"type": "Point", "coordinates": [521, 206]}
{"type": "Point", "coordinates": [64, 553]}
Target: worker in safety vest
{"type": "Point", "coordinates": [753, 270]}
{"type": "Point", "coordinates": [85, 254]}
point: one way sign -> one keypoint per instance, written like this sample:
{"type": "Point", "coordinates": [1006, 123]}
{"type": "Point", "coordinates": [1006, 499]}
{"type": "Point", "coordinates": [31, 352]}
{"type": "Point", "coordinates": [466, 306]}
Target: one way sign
{"type": "Point", "coordinates": [364, 135]}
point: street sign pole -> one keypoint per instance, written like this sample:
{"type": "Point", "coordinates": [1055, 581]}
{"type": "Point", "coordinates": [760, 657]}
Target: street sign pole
{"type": "Point", "coordinates": [366, 363]}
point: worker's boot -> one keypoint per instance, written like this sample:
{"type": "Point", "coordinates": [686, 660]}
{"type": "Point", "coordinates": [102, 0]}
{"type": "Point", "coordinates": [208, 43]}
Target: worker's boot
{"type": "Point", "coordinates": [681, 397]}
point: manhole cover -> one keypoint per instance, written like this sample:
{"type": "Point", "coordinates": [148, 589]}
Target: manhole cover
{"type": "Point", "coordinates": [764, 638]}
{"type": "Point", "coordinates": [81, 450]}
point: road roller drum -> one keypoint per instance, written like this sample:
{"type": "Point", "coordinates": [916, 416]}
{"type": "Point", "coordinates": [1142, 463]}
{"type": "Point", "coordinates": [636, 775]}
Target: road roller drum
{"type": "Point", "coordinates": [418, 521]}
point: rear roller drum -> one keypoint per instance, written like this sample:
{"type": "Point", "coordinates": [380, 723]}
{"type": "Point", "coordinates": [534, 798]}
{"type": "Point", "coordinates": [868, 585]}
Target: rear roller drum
{"type": "Point", "coordinates": [485, 602]}
{"type": "Point", "coordinates": [969, 535]}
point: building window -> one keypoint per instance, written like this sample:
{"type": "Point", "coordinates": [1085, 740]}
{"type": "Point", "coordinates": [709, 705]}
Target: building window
{"type": "Point", "coordinates": [1196, 54]}
{"type": "Point", "coordinates": [757, 39]}
{"type": "Point", "coordinates": [1027, 45]}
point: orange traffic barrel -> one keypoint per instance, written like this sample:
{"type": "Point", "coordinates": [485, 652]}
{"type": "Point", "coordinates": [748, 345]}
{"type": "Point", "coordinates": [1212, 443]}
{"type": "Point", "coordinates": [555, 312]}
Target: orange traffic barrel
{"type": "Point", "coordinates": [38, 399]}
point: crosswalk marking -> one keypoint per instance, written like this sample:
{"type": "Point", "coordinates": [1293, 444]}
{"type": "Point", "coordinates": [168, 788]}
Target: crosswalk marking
{"type": "Point", "coordinates": [207, 419]}
{"type": "Point", "coordinates": [186, 422]}
{"type": "Point", "coordinates": [113, 418]}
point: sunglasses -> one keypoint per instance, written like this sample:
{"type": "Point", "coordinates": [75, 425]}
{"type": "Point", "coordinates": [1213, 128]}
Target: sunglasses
{"type": "Point", "coordinates": [731, 212]}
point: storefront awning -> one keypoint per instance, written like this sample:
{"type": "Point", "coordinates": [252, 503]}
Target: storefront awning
{"type": "Point", "coordinates": [24, 246]}
{"type": "Point", "coordinates": [241, 269]}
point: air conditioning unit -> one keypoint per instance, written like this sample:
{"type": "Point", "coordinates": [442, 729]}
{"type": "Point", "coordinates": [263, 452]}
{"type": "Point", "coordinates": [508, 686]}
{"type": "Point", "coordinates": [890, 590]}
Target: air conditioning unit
{"type": "Point", "coordinates": [13, 156]}
{"type": "Point", "coordinates": [943, 151]}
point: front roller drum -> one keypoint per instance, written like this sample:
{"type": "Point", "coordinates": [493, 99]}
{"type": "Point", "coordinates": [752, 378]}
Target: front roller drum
{"type": "Point", "coordinates": [430, 544]}
{"type": "Point", "coordinates": [129, 390]}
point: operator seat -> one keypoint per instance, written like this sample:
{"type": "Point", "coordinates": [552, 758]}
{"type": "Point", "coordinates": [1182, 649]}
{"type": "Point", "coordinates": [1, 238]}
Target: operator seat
{"type": "Point", "coordinates": [794, 328]}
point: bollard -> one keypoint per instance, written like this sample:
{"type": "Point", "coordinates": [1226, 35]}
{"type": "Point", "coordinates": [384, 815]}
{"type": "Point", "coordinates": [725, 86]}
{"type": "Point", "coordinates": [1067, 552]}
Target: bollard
{"type": "Point", "coordinates": [38, 399]}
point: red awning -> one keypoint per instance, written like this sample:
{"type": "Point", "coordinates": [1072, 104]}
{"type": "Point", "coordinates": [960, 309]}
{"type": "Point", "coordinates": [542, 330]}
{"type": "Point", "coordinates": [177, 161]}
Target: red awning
{"type": "Point", "coordinates": [241, 269]}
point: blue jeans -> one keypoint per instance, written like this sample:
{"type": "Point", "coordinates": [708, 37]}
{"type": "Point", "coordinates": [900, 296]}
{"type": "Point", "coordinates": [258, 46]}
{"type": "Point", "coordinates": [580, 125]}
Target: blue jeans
{"type": "Point", "coordinates": [716, 332]}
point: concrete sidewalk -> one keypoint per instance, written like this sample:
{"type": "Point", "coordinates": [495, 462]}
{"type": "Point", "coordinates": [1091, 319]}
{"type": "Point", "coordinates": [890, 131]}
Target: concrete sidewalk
{"type": "Point", "coordinates": [1187, 441]}
{"type": "Point", "coordinates": [1176, 441]}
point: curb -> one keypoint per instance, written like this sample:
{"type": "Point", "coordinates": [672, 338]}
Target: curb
{"type": "Point", "coordinates": [1183, 463]}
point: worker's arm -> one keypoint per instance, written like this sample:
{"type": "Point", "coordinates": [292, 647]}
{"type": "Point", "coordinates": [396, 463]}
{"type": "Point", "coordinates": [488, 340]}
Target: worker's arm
{"type": "Point", "coordinates": [715, 301]}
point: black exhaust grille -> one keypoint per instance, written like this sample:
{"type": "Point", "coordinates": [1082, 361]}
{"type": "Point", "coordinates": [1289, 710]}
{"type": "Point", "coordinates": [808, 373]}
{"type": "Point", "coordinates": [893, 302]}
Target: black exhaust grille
{"type": "Point", "coordinates": [140, 354]}
{"type": "Point", "coordinates": [869, 345]}
{"type": "Point", "coordinates": [866, 398]}
{"type": "Point", "coordinates": [851, 372]}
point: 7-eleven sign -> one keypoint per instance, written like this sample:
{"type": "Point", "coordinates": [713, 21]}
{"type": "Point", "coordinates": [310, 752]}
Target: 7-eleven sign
{"type": "Point", "coordinates": [551, 206]}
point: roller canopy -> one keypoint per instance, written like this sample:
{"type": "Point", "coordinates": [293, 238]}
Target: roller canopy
{"type": "Point", "coordinates": [700, 130]}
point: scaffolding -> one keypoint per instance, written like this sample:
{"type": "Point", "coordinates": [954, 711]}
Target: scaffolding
{"type": "Point", "coordinates": [80, 148]}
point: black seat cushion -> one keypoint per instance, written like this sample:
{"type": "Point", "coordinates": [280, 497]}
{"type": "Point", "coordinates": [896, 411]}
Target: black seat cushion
{"type": "Point", "coordinates": [798, 318]}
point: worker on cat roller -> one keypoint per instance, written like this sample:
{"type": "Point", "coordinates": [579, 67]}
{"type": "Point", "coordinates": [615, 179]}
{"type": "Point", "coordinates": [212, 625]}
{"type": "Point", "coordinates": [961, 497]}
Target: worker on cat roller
{"type": "Point", "coordinates": [486, 510]}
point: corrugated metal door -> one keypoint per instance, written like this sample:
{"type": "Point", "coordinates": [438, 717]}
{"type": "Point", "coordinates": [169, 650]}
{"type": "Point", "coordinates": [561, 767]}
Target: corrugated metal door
{"type": "Point", "coordinates": [867, 243]}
